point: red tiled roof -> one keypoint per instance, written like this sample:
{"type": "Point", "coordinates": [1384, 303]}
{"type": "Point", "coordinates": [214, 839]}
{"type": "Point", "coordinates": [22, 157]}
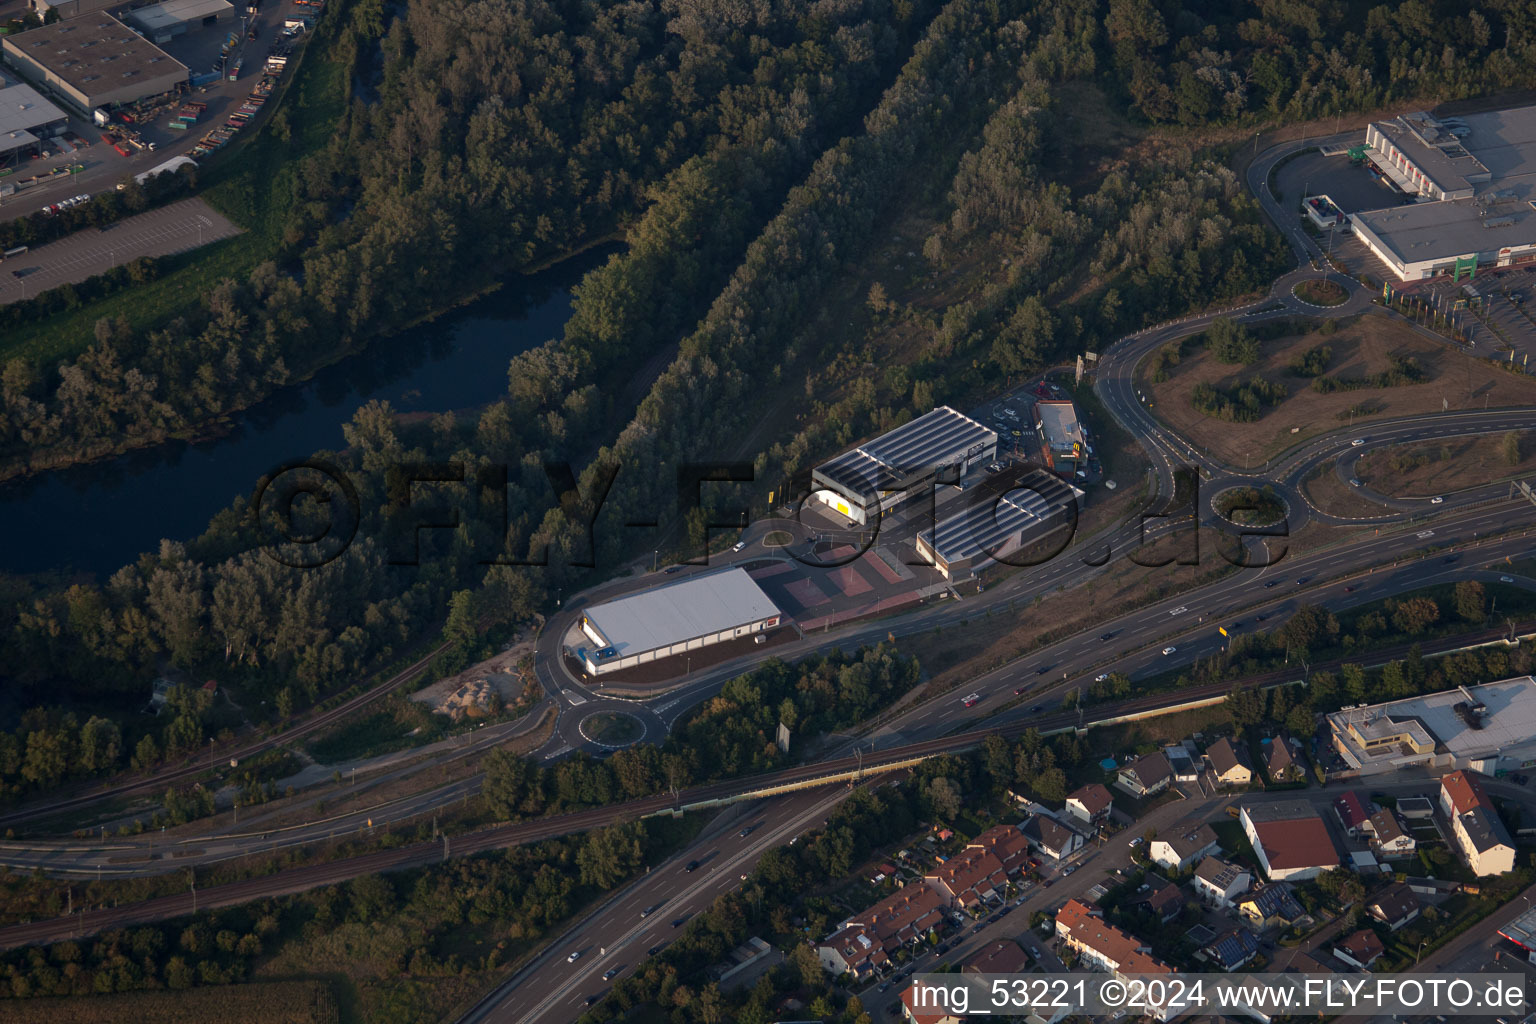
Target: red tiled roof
{"type": "Point", "coordinates": [1464, 790]}
{"type": "Point", "coordinates": [1094, 797]}
{"type": "Point", "coordinates": [1005, 842]}
{"type": "Point", "coordinates": [1363, 946]}
{"type": "Point", "coordinates": [1350, 810]}
{"type": "Point", "coordinates": [1297, 843]}
{"type": "Point", "coordinates": [1001, 957]}
{"type": "Point", "coordinates": [1089, 930]}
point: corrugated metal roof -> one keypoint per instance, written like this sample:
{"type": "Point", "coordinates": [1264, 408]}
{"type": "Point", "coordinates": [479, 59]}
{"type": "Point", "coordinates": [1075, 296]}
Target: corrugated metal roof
{"type": "Point", "coordinates": [1035, 505]}
{"type": "Point", "coordinates": [889, 461]}
{"type": "Point", "coordinates": [669, 614]}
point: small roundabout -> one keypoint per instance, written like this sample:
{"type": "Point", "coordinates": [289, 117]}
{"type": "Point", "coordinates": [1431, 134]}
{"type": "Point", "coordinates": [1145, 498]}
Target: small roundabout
{"type": "Point", "coordinates": [1251, 506]}
{"type": "Point", "coordinates": [1322, 292]}
{"type": "Point", "coordinates": [612, 730]}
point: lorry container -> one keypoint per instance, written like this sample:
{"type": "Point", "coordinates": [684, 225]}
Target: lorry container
{"type": "Point", "coordinates": [234, 70]}
{"type": "Point", "coordinates": [101, 117]}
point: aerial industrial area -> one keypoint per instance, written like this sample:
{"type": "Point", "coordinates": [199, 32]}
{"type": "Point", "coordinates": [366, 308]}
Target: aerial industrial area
{"type": "Point", "coordinates": [668, 512]}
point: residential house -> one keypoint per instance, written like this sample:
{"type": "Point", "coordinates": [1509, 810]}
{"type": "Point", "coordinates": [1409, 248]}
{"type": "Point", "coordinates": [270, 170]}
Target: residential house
{"type": "Point", "coordinates": [911, 1013]}
{"type": "Point", "coordinates": [1159, 897]}
{"type": "Point", "coordinates": [1290, 839]}
{"type": "Point", "coordinates": [1395, 906]}
{"type": "Point", "coordinates": [1221, 882]}
{"type": "Point", "coordinates": [1148, 774]}
{"type": "Point", "coordinates": [1351, 812]}
{"type": "Point", "coordinates": [1232, 950]}
{"type": "Point", "coordinates": [980, 872]}
{"type": "Point", "coordinates": [1390, 838]}
{"type": "Point", "coordinates": [1272, 905]}
{"type": "Point", "coordinates": [1180, 851]}
{"type": "Point", "coordinates": [1003, 956]}
{"type": "Point", "coordinates": [1182, 765]}
{"type": "Point", "coordinates": [1361, 949]}
{"type": "Point", "coordinates": [1051, 838]}
{"type": "Point", "coordinates": [1475, 823]}
{"type": "Point", "coordinates": [865, 943]}
{"type": "Point", "coordinates": [1102, 945]}
{"type": "Point", "coordinates": [1230, 762]}
{"type": "Point", "coordinates": [1091, 804]}
{"type": "Point", "coordinates": [1280, 761]}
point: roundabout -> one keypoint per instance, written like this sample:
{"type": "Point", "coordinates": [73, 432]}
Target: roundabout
{"type": "Point", "coordinates": [612, 730]}
{"type": "Point", "coordinates": [1321, 292]}
{"type": "Point", "coordinates": [1247, 505]}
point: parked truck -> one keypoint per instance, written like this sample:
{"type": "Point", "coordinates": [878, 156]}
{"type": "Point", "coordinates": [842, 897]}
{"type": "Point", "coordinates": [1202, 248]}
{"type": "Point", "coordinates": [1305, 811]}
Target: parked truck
{"type": "Point", "coordinates": [101, 117]}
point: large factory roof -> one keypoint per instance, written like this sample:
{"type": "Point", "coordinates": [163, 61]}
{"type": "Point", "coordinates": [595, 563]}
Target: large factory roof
{"type": "Point", "coordinates": [1423, 231]}
{"type": "Point", "coordinates": [889, 461]}
{"type": "Point", "coordinates": [94, 52]}
{"type": "Point", "coordinates": [1035, 504]}
{"type": "Point", "coordinates": [695, 607]}
{"type": "Point", "coordinates": [1508, 719]}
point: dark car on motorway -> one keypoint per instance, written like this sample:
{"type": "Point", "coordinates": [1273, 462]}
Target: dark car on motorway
{"type": "Point", "coordinates": [669, 570]}
{"type": "Point", "coordinates": [1271, 583]}
{"type": "Point", "coordinates": [1037, 709]}
{"type": "Point", "coordinates": [1106, 637]}
{"type": "Point", "coordinates": [1302, 579]}
{"type": "Point", "coordinates": [678, 922]}
{"type": "Point", "coordinates": [693, 865]}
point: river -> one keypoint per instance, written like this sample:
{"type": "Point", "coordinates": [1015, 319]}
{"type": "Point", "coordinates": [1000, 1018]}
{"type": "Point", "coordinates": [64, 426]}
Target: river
{"type": "Point", "coordinates": [100, 517]}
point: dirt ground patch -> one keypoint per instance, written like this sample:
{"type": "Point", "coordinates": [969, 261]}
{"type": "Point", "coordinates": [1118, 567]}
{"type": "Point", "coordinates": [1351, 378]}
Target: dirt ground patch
{"type": "Point", "coordinates": [1333, 496]}
{"type": "Point", "coordinates": [1441, 467]}
{"type": "Point", "coordinates": [1360, 347]}
{"type": "Point", "coordinates": [465, 695]}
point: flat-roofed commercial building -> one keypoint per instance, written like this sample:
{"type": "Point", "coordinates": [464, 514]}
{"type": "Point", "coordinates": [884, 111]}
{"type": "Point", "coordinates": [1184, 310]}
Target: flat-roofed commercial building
{"type": "Point", "coordinates": [1490, 728]}
{"type": "Point", "coordinates": [165, 21]}
{"type": "Point", "coordinates": [1063, 445]}
{"type": "Point", "coordinates": [1475, 177]}
{"type": "Point", "coordinates": [675, 618]}
{"type": "Point", "coordinates": [999, 520]}
{"type": "Point", "coordinates": [866, 481]}
{"type": "Point", "coordinates": [94, 61]}
{"type": "Point", "coordinates": [26, 118]}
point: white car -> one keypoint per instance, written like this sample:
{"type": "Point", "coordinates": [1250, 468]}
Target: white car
{"type": "Point", "coordinates": [1357, 442]}
{"type": "Point", "coordinates": [1437, 500]}
{"type": "Point", "coordinates": [1101, 677]}
{"type": "Point", "coordinates": [573, 957]}
{"type": "Point", "coordinates": [1180, 610]}
{"type": "Point", "coordinates": [1169, 650]}
{"type": "Point", "coordinates": [1354, 482]}
{"type": "Point", "coordinates": [1506, 579]}
{"type": "Point", "coordinates": [739, 545]}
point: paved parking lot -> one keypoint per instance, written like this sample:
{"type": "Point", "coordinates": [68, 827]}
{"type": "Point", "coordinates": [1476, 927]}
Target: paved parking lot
{"type": "Point", "coordinates": [171, 229]}
{"type": "Point", "coordinates": [1352, 188]}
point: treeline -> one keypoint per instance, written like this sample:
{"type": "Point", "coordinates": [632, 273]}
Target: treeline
{"type": "Point", "coordinates": [731, 734]}
{"type": "Point", "coordinates": [103, 209]}
{"type": "Point", "coordinates": [1400, 372]}
{"type": "Point", "coordinates": [1244, 402]}
{"type": "Point", "coordinates": [16, 375]}
{"type": "Point", "coordinates": [268, 1002]}
{"type": "Point", "coordinates": [556, 134]}
{"type": "Point", "coordinates": [511, 899]}
{"type": "Point", "coordinates": [1207, 61]}
{"type": "Point", "coordinates": [49, 747]}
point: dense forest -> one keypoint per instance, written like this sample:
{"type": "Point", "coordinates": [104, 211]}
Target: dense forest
{"type": "Point", "coordinates": [746, 155]}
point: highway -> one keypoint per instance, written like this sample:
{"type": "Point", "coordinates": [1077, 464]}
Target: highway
{"type": "Point", "coordinates": [1347, 572]}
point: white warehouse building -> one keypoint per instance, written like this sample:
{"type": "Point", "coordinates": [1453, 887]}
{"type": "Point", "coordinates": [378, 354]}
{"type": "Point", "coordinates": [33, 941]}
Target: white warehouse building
{"type": "Point", "coordinates": [1474, 179]}
{"type": "Point", "coordinates": [675, 618]}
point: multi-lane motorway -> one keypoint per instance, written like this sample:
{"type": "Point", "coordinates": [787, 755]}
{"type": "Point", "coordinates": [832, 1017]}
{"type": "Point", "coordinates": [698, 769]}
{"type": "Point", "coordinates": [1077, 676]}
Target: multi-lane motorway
{"type": "Point", "coordinates": [1351, 571]}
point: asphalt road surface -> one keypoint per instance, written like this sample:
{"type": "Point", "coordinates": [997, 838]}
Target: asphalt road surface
{"type": "Point", "coordinates": [181, 226]}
